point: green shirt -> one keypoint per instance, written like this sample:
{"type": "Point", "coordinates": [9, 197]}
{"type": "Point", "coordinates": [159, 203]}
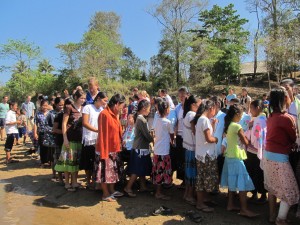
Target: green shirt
{"type": "Point", "coordinates": [233, 144]}
{"type": "Point", "coordinates": [3, 110]}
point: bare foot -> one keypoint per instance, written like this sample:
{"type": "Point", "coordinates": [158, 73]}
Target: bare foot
{"type": "Point", "coordinates": [280, 222]}
{"type": "Point", "coordinates": [233, 209]}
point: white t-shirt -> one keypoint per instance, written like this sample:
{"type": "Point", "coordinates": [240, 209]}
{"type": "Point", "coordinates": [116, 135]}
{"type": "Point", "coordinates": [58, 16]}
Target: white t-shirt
{"type": "Point", "coordinates": [90, 137]}
{"type": "Point", "coordinates": [163, 128]}
{"type": "Point", "coordinates": [188, 136]}
{"type": "Point", "coordinates": [180, 121]}
{"type": "Point", "coordinates": [204, 148]}
{"type": "Point", "coordinates": [11, 117]}
{"type": "Point", "coordinates": [169, 99]}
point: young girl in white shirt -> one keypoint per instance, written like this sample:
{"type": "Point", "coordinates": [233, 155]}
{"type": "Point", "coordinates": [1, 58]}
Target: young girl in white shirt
{"type": "Point", "coordinates": [164, 133]}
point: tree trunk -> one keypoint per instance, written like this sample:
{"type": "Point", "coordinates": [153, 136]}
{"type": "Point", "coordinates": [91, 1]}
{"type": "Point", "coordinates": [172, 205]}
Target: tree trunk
{"type": "Point", "coordinates": [177, 63]}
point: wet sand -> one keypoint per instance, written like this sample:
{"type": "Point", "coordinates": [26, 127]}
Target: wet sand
{"type": "Point", "coordinates": [29, 197]}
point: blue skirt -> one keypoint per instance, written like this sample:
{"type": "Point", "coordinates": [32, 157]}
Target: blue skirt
{"type": "Point", "coordinates": [235, 176]}
{"type": "Point", "coordinates": [190, 168]}
{"type": "Point", "coordinates": [141, 165]}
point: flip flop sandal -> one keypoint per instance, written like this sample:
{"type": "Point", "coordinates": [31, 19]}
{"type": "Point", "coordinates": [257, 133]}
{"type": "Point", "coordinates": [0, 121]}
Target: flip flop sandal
{"type": "Point", "coordinates": [206, 209]}
{"type": "Point", "coordinates": [164, 211]}
{"type": "Point", "coordinates": [117, 194]}
{"type": "Point", "coordinates": [129, 194]}
{"type": "Point", "coordinates": [194, 216]}
{"type": "Point", "coordinates": [109, 199]}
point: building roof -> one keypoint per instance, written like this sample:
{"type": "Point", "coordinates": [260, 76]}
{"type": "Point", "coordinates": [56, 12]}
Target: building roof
{"type": "Point", "coordinates": [248, 67]}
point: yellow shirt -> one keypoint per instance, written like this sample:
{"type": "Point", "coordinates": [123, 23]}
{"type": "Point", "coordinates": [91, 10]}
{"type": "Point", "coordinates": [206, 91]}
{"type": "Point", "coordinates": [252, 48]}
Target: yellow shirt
{"type": "Point", "coordinates": [233, 146]}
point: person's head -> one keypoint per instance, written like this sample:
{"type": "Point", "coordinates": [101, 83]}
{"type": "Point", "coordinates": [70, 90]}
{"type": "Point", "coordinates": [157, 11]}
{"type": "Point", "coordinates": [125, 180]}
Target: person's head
{"type": "Point", "coordinates": [130, 120]}
{"type": "Point", "coordinates": [163, 108]}
{"type": "Point", "coordinates": [79, 97]}
{"type": "Point", "coordinates": [217, 101]}
{"type": "Point", "coordinates": [288, 84]}
{"type": "Point", "coordinates": [234, 101]}
{"type": "Point", "coordinates": [44, 105]}
{"type": "Point", "coordinates": [265, 96]}
{"type": "Point", "coordinates": [136, 97]}
{"type": "Point", "coordinates": [223, 94]}
{"type": "Point", "coordinates": [183, 93]}
{"type": "Point", "coordinates": [163, 93]}
{"type": "Point", "coordinates": [256, 107]}
{"type": "Point", "coordinates": [244, 92]}
{"type": "Point", "coordinates": [22, 112]}
{"type": "Point", "coordinates": [101, 99]}
{"type": "Point", "coordinates": [52, 100]}
{"type": "Point", "coordinates": [93, 85]}
{"type": "Point", "coordinates": [191, 104]}
{"type": "Point", "coordinates": [13, 106]}
{"type": "Point", "coordinates": [57, 94]}
{"type": "Point", "coordinates": [68, 101]}
{"type": "Point", "coordinates": [28, 98]}
{"type": "Point", "coordinates": [231, 90]}
{"type": "Point", "coordinates": [135, 91]}
{"type": "Point", "coordinates": [279, 99]}
{"type": "Point", "coordinates": [79, 88]}
{"type": "Point", "coordinates": [143, 95]}
{"type": "Point", "coordinates": [59, 104]}
{"type": "Point", "coordinates": [157, 101]}
{"type": "Point", "coordinates": [116, 103]}
{"type": "Point", "coordinates": [142, 109]}
{"type": "Point", "coordinates": [208, 107]}
{"type": "Point", "coordinates": [234, 114]}
{"type": "Point", "coordinates": [5, 99]}
{"type": "Point", "coordinates": [131, 100]}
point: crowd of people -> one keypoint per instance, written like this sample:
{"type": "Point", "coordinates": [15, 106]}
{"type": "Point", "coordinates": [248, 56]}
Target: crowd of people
{"type": "Point", "coordinates": [225, 141]}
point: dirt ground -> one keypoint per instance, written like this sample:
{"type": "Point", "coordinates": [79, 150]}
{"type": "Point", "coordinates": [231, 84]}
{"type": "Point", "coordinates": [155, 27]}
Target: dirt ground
{"type": "Point", "coordinates": [29, 197]}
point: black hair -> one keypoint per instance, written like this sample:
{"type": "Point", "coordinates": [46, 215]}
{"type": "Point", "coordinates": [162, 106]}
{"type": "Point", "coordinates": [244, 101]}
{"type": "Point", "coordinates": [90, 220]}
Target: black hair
{"type": "Point", "coordinates": [78, 94]}
{"type": "Point", "coordinates": [235, 101]}
{"type": "Point", "coordinates": [277, 100]}
{"type": "Point", "coordinates": [183, 89]}
{"type": "Point", "coordinates": [157, 100]}
{"type": "Point", "coordinates": [232, 111]}
{"type": "Point", "coordinates": [202, 108]}
{"type": "Point", "coordinates": [164, 91]}
{"type": "Point", "coordinates": [44, 101]}
{"type": "Point", "coordinates": [136, 97]}
{"type": "Point", "coordinates": [57, 100]}
{"type": "Point", "coordinates": [187, 104]}
{"type": "Point", "coordinates": [100, 95]}
{"type": "Point", "coordinates": [12, 103]}
{"type": "Point", "coordinates": [116, 99]}
{"type": "Point", "coordinates": [68, 101]}
{"type": "Point", "coordinates": [131, 99]}
{"type": "Point", "coordinates": [257, 103]}
{"type": "Point", "coordinates": [217, 100]}
{"type": "Point", "coordinates": [265, 95]}
{"type": "Point", "coordinates": [142, 104]}
{"type": "Point", "coordinates": [287, 81]}
{"type": "Point", "coordinates": [162, 107]}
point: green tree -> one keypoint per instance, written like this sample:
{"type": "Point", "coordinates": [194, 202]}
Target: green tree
{"type": "Point", "coordinates": [177, 17]}
{"type": "Point", "coordinates": [70, 52]}
{"type": "Point", "coordinates": [45, 67]}
{"type": "Point", "coordinates": [224, 37]}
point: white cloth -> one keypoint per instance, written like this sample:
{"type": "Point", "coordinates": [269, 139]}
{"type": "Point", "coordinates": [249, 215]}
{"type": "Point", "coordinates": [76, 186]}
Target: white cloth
{"type": "Point", "coordinates": [90, 137]}
{"type": "Point", "coordinates": [180, 121]}
{"type": "Point", "coordinates": [204, 148]}
{"type": "Point", "coordinates": [11, 117]}
{"type": "Point", "coordinates": [219, 131]}
{"type": "Point", "coordinates": [163, 128]}
{"type": "Point", "coordinates": [188, 136]}
{"type": "Point", "coordinates": [169, 99]}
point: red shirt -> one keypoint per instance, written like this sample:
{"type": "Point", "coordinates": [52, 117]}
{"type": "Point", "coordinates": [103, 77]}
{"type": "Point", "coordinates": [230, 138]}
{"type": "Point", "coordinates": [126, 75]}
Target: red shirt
{"type": "Point", "coordinates": [281, 133]}
{"type": "Point", "coordinates": [109, 133]}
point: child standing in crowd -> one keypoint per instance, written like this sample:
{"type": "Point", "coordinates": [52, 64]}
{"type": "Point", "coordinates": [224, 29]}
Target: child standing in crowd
{"type": "Point", "coordinates": [191, 105]}
{"type": "Point", "coordinates": [124, 115]}
{"type": "Point", "coordinates": [231, 95]}
{"type": "Point", "coordinates": [72, 133]}
{"type": "Point", "coordinates": [279, 177]}
{"type": "Point", "coordinates": [11, 127]}
{"type": "Point", "coordinates": [90, 114]}
{"type": "Point", "coordinates": [207, 179]}
{"type": "Point", "coordinates": [257, 138]}
{"type": "Point", "coordinates": [128, 135]}
{"type": "Point", "coordinates": [39, 130]}
{"type": "Point", "coordinates": [140, 164]}
{"type": "Point", "coordinates": [234, 174]}
{"type": "Point", "coordinates": [164, 133]}
{"type": "Point", "coordinates": [22, 127]}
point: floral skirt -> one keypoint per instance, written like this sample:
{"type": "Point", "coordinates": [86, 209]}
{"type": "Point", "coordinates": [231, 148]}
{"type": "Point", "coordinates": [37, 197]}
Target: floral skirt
{"type": "Point", "coordinates": [280, 181]}
{"type": "Point", "coordinates": [207, 175]}
{"type": "Point", "coordinates": [162, 169]}
{"type": "Point", "coordinates": [108, 170]}
{"type": "Point", "coordinates": [190, 168]}
{"type": "Point", "coordinates": [69, 158]}
{"type": "Point", "coordinates": [235, 176]}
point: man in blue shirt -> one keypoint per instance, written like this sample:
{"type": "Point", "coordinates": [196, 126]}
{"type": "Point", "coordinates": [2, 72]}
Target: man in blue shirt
{"type": "Point", "coordinates": [231, 95]}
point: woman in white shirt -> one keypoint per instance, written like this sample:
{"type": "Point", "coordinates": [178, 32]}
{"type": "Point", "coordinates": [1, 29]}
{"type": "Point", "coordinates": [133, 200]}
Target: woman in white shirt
{"type": "Point", "coordinates": [90, 114]}
{"type": "Point", "coordinates": [191, 105]}
{"type": "Point", "coordinates": [206, 156]}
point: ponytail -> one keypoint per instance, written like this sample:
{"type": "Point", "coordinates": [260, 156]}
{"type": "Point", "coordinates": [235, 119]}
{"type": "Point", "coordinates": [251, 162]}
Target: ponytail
{"type": "Point", "coordinates": [162, 108]}
{"type": "Point", "coordinates": [232, 111]}
{"type": "Point", "coordinates": [187, 104]}
{"type": "Point", "coordinates": [142, 104]}
{"type": "Point", "coordinates": [202, 108]}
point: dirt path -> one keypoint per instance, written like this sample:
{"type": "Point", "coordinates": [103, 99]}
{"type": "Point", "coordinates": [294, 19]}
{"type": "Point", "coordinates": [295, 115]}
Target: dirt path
{"type": "Point", "coordinates": [28, 197]}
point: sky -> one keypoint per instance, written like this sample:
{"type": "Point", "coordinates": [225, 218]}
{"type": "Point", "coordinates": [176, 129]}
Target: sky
{"type": "Point", "coordinates": [47, 23]}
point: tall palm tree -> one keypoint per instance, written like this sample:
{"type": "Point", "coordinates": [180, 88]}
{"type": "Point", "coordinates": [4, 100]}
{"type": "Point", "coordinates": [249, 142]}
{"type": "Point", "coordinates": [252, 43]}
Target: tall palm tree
{"type": "Point", "coordinates": [44, 66]}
